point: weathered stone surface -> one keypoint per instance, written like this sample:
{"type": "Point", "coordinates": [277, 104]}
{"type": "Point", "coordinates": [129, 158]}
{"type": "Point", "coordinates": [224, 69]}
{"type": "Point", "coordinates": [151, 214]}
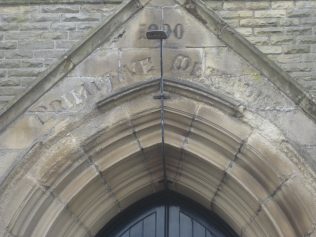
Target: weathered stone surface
{"type": "Point", "coordinates": [60, 9]}
{"type": "Point", "coordinates": [270, 13]}
{"type": "Point", "coordinates": [282, 4]}
{"type": "Point", "coordinates": [94, 162]}
{"type": "Point", "coordinates": [22, 134]}
{"type": "Point", "coordinates": [259, 22]}
{"type": "Point", "coordinates": [8, 45]}
{"type": "Point", "coordinates": [239, 5]}
{"type": "Point", "coordinates": [29, 31]}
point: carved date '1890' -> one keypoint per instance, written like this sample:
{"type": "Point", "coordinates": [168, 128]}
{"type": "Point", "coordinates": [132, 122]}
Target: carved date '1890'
{"type": "Point", "coordinates": [177, 31]}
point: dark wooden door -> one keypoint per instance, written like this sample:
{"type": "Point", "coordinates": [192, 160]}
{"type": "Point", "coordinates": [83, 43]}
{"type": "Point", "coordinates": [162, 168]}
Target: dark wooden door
{"type": "Point", "coordinates": [167, 216]}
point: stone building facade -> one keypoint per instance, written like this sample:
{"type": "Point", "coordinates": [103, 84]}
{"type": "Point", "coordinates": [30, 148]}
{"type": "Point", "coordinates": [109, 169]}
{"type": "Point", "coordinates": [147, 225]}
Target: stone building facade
{"type": "Point", "coordinates": [80, 132]}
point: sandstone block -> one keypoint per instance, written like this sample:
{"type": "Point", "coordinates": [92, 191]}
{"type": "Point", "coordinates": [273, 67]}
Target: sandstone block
{"type": "Point", "coordinates": [45, 17]}
{"type": "Point", "coordinates": [308, 20]}
{"type": "Point", "coordinates": [80, 17]}
{"type": "Point", "coordinates": [259, 22]}
{"type": "Point", "coordinates": [34, 63]}
{"type": "Point", "coordinates": [22, 133]}
{"type": "Point", "coordinates": [11, 90]}
{"type": "Point", "coordinates": [268, 30]}
{"type": "Point", "coordinates": [270, 13]}
{"type": "Point", "coordinates": [240, 5]}
{"type": "Point", "coordinates": [270, 49]}
{"type": "Point", "coordinates": [306, 39]}
{"type": "Point", "coordinates": [24, 72]}
{"type": "Point", "coordinates": [7, 158]}
{"type": "Point", "coordinates": [306, 4]}
{"type": "Point", "coordinates": [18, 54]}
{"type": "Point", "coordinates": [8, 45]}
{"type": "Point", "coordinates": [13, 18]}
{"type": "Point", "coordinates": [8, 27]}
{"type": "Point", "coordinates": [259, 40]}
{"type": "Point", "coordinates": [281, 40]}
{"type": "Point", "coordinates": [289, 22]}
{"type": "Point", "coordinates": [17, 9]}
{"type": "Point", "coordinates": [9, 64]}
{"type": "Point", "coordinates": [215, 5]}
{"type": "Point", "coordinates": [54, 35]}
{"type": "Point", "coordinates": [75, 35]}
{"type": "Point", "coordinates": [236, 14]}
{"type": "Point", "coordinates": [60, 9]}
{"type": "Point", "coordinates": [290, 58]}
{"type": "Point", "coordinates": [63, 26]}
{"type": "Point", "coordinates": [49, 53]}
{"type": "Point", "coordinates": [298, 67]}
{"type": "Point", "coordinates": [21, 35]}
{"type": "Point", "coordinates": [299, 13]}
{"type": "Point", "coordinates": [244, 31]}
{"type": "Point", "coordinates": [282, 4]}
{"type": "Point", "coordinates": [65, 44]}
{"type": "Point", "coordinates": [12, 82]}
{"type": "Point", "coordinates": [3, 73]}
{"type": "Point", "coordinates": [299, 30]}
{"type": "Point", "coordinates": [86, 26]}
{"type": "Point", "coordinates": [36, 44]}
{"type": "Point", "coordinates": [105, 9]}
{"type": "Point", "coordinates": [294, 49]}
{"type": "Point", "coordinates": [35, 27]}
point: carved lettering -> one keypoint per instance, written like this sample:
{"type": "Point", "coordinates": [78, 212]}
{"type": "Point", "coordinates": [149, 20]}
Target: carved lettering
{"type": "Point", "coordinates": [197, 70]}
{"type": "Point", "coordinates": [38, 112]}
{"type": "Point", "coordinates": [142, 66]}
{"type": "Point", "coordinates": [67, 101]}
{"type": "Point", "coordinates": [167, 29]}
{"type": "Point", "coordinates": [79, 95]}
{"type": "Point", "coordinates": [57, 105]}
{"type": "Point", "coordinates": [178, 31]}
{"type": "Point", "coordinates": [73, 98]}
{"type": "Point", "coordinates": [181, 62]}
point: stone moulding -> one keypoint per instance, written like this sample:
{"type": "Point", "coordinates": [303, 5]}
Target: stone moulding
{"type": "Point", "coordinates": [74, 184]}
{"type": "Point", "coordinates": [245, 49]}
{"type": "Point", "coordinates": [60, 69]}
{"type": "Point", "coordinates": [179, 87]}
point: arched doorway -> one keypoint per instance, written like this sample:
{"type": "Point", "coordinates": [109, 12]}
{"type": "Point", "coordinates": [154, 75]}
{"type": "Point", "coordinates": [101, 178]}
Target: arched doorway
{"type": "Point", "coordinates": [167, 214]}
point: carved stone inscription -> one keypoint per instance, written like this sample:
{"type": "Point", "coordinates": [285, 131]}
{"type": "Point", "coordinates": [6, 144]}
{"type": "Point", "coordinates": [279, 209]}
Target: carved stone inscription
{"type": "Point", "coordinates": [72, 99]}
{"type": "Point", "coordinates": [145, 64]}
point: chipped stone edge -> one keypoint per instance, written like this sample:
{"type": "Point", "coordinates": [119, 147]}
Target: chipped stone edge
{"type": "Point", "coordinates": [282, 80]}
{"type": "Point", "coordinates": [32, 2]}
{"type": "Point", "coordinates": [60, 69]}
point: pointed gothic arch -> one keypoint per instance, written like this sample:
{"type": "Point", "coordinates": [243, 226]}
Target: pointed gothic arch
{"type": "Point", "coordinates": [86, 166]}
{"type": "Point", "coordinates": [77, 180]}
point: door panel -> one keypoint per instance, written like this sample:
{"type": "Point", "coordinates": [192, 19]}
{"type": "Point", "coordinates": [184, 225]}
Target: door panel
{"type": "Point", "coordinates": [167, 217]}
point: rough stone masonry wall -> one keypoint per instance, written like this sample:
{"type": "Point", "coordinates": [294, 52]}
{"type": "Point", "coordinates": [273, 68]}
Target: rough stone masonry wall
{"type": "Point", "coordinates": [283, 30]}
{"type": "Point", "coordinates": [34, 36]}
